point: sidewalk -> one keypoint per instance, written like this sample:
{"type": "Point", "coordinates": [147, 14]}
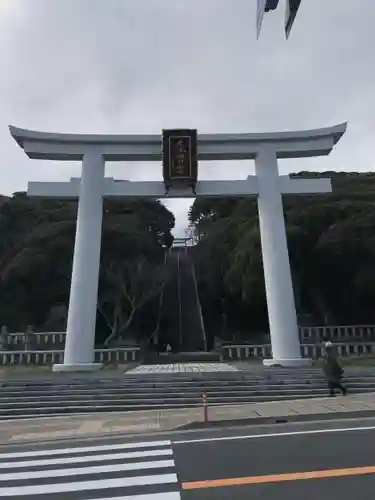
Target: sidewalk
{"type": "Point", "coordinates": [126, 423]}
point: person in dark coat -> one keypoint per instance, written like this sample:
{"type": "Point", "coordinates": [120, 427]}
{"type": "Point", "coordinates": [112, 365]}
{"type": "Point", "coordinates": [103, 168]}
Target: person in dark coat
{"type": "Point", "coordinates": [332, 370]}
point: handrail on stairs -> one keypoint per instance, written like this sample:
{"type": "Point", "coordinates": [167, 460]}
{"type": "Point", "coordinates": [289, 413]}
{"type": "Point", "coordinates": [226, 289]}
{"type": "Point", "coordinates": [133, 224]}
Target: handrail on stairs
{"type": "Point", "coordinates": [199, 306]}
{"type": "Point", "coordinates": [161, 297]}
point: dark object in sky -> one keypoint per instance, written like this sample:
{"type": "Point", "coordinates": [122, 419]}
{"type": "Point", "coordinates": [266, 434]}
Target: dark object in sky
{"type": "Point", "coordinates": [292, 7]}
{"type": "Point", "coordinates": [180, 158]}
{"type": "Point", "coordinates": [271, 5]}
{"type": "Point", "coordinates": [291, 10]}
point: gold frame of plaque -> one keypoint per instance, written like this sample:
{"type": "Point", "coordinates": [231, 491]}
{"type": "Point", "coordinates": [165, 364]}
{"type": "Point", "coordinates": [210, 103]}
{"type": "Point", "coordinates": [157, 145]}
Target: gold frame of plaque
{"type": "Point", "coordinates": [180, 158]}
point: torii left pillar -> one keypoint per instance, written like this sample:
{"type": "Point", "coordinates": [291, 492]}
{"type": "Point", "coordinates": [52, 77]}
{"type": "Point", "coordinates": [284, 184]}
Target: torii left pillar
{"type": "Point", "coordinates": [80, 338]}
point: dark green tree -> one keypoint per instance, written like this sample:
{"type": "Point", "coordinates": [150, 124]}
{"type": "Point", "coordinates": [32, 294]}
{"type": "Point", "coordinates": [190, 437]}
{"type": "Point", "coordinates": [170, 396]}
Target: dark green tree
{"type": "Point", "coordinates": [36, 252]}
{"type": "Point", "coordinates": [331, 246]}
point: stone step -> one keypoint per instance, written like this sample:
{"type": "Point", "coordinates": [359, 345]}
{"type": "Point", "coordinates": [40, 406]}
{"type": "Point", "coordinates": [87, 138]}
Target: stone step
{"type": "Point", "coordinates": [238, 376]}
{"type": "Point", "coordinates": [242, 384]}
{"type": "Point", "coordinates": [208, 368]}
{"type": "Point", "coordinates": [167, 389]}
{"type": "Point", "coordinates": [235, 376]}
{"type": "Point", "coordinates": [127, 376]}
{"type": "Point", "coordinates": [182, 377]}
{"type": "Point", "coordinates": [171, 390]}
{"type": "Point", "coordinates": [167, 401]}
{"type": "Point", "coordinates": [248, 380]}
{"type": "Point", "coordinates": [172, 384]}
{"type": "Point", "coordinates": [98, 408]}
{"type": "Point", "coordinates": [177, 385]}
{"type": "Point", "coordinates": [162, 396]}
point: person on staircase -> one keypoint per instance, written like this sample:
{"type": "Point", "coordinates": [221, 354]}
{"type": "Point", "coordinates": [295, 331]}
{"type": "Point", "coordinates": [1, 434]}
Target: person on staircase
{"type": "Point", "coordinates": [332, 370]}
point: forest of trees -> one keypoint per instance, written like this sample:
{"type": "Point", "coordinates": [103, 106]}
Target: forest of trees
{"type": "Point", "coordinates": [331, 243]}
{"type": "Point", "coordinates": [36, 251]}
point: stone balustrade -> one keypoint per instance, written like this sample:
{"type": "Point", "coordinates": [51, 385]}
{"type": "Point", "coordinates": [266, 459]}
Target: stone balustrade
{"type": "Point", "coordinates": [51, 357]}
{"type": "Point", "coordinates": [133, 354]}
{"type": "Point", "coordinates": [42, 340]}
{"type": "Point", "coordinates": [349, 333]}
{"type": "Point", "coordinates": [308, 335]}
{"type": "Point", "coordinates": [314, 351]}
{"type": "Point", "coordinates": [47, 348]}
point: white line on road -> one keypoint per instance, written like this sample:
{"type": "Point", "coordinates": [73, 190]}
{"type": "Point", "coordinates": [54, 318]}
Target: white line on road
{"type": "Point", "coordinates": [88, 485]}
{"type": "Point", "coordinates": [87, 449]}
{"type": "Point", "coordinates": [86, 459]}
{"type": "Point", "coordinates": [99, 469]}
{"type": "Point", "coordinates": [273, 435]}
{"type": "Point", "coordinates": [151, 496]}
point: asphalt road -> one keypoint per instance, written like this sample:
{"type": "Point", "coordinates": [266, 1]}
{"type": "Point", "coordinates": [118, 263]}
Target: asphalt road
{"type": "Point", "coordinates": [294, 462]}
{"type": "Point", "coordinates": [315, 460]}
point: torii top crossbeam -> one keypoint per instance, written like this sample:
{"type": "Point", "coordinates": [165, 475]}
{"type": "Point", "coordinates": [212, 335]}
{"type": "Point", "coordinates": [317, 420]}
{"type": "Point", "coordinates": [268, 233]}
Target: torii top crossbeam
{"type": "Point", "coordinates": [72, 147]}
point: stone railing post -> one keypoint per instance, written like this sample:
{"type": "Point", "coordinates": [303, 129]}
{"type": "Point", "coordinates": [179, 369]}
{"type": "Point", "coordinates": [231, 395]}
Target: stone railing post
{"type": "Point", "coordinates": [3, 337]}
{"type": "Point", "coordinates": [28, 338]}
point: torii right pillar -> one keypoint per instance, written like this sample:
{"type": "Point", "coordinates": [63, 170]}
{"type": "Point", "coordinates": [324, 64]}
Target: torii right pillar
{"type": "Point", "coordinates": [282, 315]}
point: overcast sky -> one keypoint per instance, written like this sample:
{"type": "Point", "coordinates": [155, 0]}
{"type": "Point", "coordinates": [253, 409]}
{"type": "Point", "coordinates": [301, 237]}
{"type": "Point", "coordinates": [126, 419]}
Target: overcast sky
{"type": "Point", "coordinates": [136, 66]}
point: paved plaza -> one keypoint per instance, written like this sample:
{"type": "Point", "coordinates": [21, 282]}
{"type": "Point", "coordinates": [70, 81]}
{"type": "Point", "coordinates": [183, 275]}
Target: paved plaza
{"type": "Point", "coordinates": [184, 368]}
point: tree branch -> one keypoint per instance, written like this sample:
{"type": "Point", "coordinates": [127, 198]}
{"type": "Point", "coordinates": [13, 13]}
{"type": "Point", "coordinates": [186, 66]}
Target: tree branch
{"type": "Point", "coordinates": [105, 317]}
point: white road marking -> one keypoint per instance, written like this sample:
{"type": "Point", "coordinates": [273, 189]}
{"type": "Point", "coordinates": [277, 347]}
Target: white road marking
{"type": "Point", "coordinates": [95, 472]}
{"type": "Point", "coordinates": [87, 449]}
{"type": "Point", "coordinates": [174, 495]}
{"type": "Point", "coordinates": [85, 459]}
{"type": "Point", "coordinates": [273, 435]}
{"type": "Point", "coordinates": [88, 485]}
{"type": "Point", "coordinates": [100, 469]}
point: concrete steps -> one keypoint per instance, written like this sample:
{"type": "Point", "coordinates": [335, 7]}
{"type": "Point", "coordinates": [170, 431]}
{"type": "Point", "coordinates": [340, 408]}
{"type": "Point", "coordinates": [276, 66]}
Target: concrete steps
{"type": "Point", "coordinates": [178, 389]}
{"type": "Point", "coordinates": [161, 391]}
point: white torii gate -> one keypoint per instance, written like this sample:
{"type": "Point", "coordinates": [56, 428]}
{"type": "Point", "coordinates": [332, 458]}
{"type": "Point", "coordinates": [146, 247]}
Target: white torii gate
{"type": "Point", "coordinates": [95, 150]}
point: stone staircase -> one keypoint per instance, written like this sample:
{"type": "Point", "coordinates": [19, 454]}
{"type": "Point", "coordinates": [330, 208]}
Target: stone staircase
{"type": "Point", "coordinates": [181, 322]}
{"type": "Point", "coordinates": [65, 394]}
{"type": "Point", "coordinates": [192, 327]}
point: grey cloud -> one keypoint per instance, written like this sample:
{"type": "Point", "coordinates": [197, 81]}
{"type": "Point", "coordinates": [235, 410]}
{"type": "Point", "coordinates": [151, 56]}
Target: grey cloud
{"type": "Point", "coordinates": [125, 66]}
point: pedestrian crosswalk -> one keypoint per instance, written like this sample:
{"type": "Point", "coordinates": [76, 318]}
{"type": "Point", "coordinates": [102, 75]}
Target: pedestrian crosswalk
{"type": "Point", "coordinates": [121, 471]}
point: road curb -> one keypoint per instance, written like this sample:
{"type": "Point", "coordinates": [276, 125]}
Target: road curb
{"type": "Point", "coordinates": [287, 419]}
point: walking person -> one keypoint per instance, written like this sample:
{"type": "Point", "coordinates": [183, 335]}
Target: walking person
{"type": "Point", "coordinates": [332, 370]}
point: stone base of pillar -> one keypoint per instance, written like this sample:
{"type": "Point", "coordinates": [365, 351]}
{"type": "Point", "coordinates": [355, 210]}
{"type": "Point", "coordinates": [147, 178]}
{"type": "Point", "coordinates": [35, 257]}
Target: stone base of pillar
{"type": "Point", "coordinates": [288, 363]}
{"type": "Point", "coordinates": [79, 367]}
